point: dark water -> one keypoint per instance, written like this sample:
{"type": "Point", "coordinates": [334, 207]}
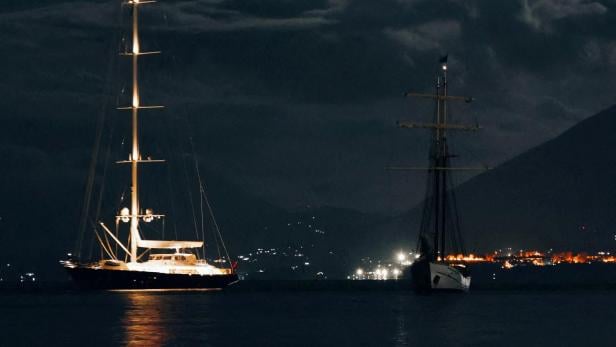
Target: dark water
{"type": "Point", "coordinates": [309, 318]}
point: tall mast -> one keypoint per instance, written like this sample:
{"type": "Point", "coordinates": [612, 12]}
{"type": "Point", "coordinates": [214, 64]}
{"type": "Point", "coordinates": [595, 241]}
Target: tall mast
{"type": "Point", "coordinates": [134, 192]}
{"type": "Point", "coordinates": [435, 218]}
{"type": "Point", "coordinates": [444, 162]}
{"type": "Point", "coordinates": [135, 156]}
{"type": "Point", "coordinates": [436, 193]}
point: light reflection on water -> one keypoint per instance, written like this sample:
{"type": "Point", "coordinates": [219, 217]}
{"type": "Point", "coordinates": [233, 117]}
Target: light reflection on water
{"type": "Point", "coordinates": [401, 336]}
{"type": "Point", "coordinates": [144, 320]}
{"type": "Point", "coordinates": [165, 317]}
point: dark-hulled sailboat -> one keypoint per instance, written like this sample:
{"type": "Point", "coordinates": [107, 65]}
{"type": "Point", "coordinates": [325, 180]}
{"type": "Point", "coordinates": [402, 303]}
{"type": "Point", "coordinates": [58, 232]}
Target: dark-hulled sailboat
{"type": "Point", "coordinates": [440, 228]}
{"type": "Point", "coordinates": [144, 263]}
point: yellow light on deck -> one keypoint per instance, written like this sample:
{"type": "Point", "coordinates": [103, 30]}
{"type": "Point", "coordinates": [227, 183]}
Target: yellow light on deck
{"type": "Point", "coordinates": [148, 215]}
{"type": "Point", "coordinates": [359, 272]}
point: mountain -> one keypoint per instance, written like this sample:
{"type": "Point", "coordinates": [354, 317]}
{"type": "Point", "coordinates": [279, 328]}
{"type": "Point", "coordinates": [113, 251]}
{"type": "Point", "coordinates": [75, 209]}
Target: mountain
{"type": "Point", "coordinates": [560, 194]}
{"type": "Point", "coordinates": [250, 222]}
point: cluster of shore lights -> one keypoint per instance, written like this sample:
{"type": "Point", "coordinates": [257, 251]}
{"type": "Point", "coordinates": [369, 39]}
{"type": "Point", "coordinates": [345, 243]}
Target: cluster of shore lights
{"type": "Point", "coordinates": [385, 272]}
{"type": "Point", "coordinates": [535, 257]}
{"type": "Point", "coordinates": [380, 273]}
{"type": "Point", "coordinates": [470, 258]}
{"type": "Point", "coordinates": [405, 259]}
{"type": "Point", "coordinates": [508, 260]}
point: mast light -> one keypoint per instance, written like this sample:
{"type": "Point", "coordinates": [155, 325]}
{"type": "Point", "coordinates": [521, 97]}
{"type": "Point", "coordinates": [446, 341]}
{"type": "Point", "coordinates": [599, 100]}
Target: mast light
{"type": "Point", "coordinates": [125, 215]}
{"type": "Point", "coordinates": [149, 215]}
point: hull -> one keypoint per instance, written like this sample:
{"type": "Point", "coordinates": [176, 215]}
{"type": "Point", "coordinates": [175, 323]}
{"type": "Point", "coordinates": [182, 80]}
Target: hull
{"type": "Point", "coordinates": [429, 276]}
{"type": "Point", "coordinates": [89, 278]}
{"type": "Point", "coordinates": [420, 276]}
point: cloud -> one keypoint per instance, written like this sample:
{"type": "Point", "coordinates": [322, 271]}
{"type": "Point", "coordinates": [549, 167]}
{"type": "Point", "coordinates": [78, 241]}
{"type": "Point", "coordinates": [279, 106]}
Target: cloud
{"type": "Point", "coordinates": [198, 16]}
{"type": "Point", "coordinates": [539, 14]}
{"type": "Point", "coordinates": [193, 15]}
{"type": "Point", "coordinates": [64, 15]}
{"type": "Point", "coordinates": [334, 7]}
{"type": "Point", "coordinates": [427, 36]}
{"type": "Point", "coordinates": [597, 53]}
{"type": "Point", "coordinates": [319, 83]}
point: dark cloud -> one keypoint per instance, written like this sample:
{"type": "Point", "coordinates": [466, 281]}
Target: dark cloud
{"type": "Point", "coordinates": [296, 101]}
{"type": "Point", "coordinates": [540, 14]}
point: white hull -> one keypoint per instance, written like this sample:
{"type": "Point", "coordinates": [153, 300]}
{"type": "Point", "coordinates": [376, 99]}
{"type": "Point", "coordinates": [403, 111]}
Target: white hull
{"type": "Point", "coordinates": [446, 277]}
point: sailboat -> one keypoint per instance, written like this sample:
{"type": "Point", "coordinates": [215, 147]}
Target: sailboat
{"type": "Point", "coordinates": [145, 263]}
{"type": "Point", "coordinates": [440, 228]}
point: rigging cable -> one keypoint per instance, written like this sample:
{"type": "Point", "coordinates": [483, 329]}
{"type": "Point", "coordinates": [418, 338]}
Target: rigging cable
{"type": "Point", "coordinates": [216, 228]}
{"type": "Point", "coordinates": [190, 197]}
{"type": "Point", "coordinates": [201, 193]}
{"type": "Point", "coordinates": [87, 200]}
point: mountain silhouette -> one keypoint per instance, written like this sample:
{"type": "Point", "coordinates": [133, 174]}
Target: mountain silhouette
{"type": "Point", "coordinates": [560, 194]}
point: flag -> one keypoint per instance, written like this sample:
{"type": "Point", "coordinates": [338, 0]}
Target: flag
{"type": "Point", "coordinates": [443, 59]}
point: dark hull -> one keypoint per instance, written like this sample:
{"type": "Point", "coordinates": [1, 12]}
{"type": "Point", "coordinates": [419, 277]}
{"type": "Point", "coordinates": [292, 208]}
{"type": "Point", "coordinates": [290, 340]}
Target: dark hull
{"type": "Point", "coordinates": [420, 276]}
{"type": "Point", "coordinates": [89, 278]}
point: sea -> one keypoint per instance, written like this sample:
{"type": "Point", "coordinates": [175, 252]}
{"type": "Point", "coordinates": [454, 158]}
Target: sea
{"type": "Point", "coordinates": [297, 316]}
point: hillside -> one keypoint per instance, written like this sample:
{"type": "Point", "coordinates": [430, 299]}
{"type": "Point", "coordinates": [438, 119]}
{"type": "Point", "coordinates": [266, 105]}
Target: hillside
{"type": "Point", "coordinates": [560, 194]}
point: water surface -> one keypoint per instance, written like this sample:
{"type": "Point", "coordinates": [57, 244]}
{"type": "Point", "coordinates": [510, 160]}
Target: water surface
{"type": "Point", "coordinates": [309, 318]}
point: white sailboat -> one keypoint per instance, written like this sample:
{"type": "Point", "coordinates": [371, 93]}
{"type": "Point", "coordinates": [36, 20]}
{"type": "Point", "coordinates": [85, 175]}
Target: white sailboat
{"type": "Point", "coordinates": [145, 264]}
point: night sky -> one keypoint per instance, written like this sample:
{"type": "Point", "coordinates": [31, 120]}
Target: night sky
{"type": "Point", "coordinates": [296, 101]}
